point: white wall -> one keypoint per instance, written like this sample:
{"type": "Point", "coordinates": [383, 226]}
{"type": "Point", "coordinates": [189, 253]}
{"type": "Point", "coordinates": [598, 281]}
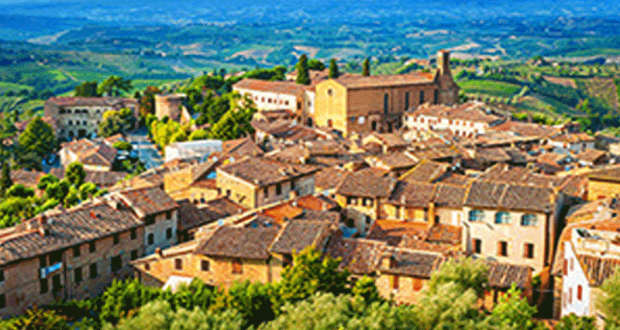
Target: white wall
{"type": "Point", "coordinates": [278, 100]}
{"type": "Point", "coordinates": [574, 277]}
{"type": "Point", "coordinates": [458, 127]}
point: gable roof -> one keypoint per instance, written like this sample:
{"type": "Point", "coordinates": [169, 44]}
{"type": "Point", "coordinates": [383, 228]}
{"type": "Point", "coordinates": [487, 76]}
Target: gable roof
{"type": "Point", "coordinates": [426, 171]}
{"type": "Point", "coordinates": [510, 197]}
{"type": "Point", "coordinates": [298, 234]}
{"type": "Point", "coordinates": [263, 172]}
{"type": "Point", "coordinates": [413, 263]}
{"type": "Point", "coordinates": [365, 185]}
{"type": "Point", "coordinates": [358, 256]}
{"type": "Point", "coordinates": [414, 194]}
{"type": "Point", "coordinates": [148, 201]}
{"type": "Point", "coordinates": [280, 87]}
{"type": "Point", "coordinates": [379, 81]}
{"type": "Point", "coordinates": [240, 242]}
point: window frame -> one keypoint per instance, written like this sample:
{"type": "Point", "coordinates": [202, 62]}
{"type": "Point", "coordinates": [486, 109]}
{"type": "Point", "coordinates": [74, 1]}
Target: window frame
{"type": "Point", "coordinates": [237, 266]}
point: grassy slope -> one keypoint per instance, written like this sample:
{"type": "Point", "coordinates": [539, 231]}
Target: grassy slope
{"type": "Point", "coordinates": [603, 89]}
{"type": "Point", "coordinates": [489, 87]}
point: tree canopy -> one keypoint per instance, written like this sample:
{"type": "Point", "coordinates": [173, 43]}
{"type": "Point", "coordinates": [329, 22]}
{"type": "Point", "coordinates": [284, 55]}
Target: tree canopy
{"type": "Point", "coordinates": [366, 67]}
{"type": "Point", "coordinates": [87, 89]}
{"type": "Point", "coordinates": [114, 86]}
{"type": "Point", "coordinates": [36, 142]}
{"type": "Point", "coordinates": [303, 76]}
{"type": "Point", "coordinates": [333, 69]}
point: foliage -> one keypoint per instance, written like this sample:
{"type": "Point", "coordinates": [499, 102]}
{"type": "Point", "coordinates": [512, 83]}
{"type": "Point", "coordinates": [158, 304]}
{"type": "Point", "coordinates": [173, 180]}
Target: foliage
{"type": "Point", "coordinates": [466, 273]}
{"type": "Point", "coordinates": [609, 302]}
{"type": "Point", "coordinates": [574, 322]}
{"type": "Point", "coordinates": [5, 178]}
{"type": "Point", "coordinates": [122, 145]}
{"type": "Point", "coordinates": [333, 69]}
{"type": "Point", "coordinates": [449, 306]}
{"type": "Point", "coordinates": [75, 174]}
{"type": "Point", "coordinates": [87, 89]}
{"type": "Point", "coordinates": [114, 86]}
{"type": "Point", "coordinates": [236, 122]}
{"type": "Point", "coordinates": [46, 181]}
{"type": "Point", "coordinates": [252, 300]}
{"type": "Point", "coordinates": [38, 319]}
{"type": "Point", "coordinates": [366, 289]}
{"type": "Point", "coordinates": [147, 101]}
{"type": "Point", "coordinates": [513, 311]}
{"type": "Point", "coordinates": [199, 134]}
{"type": "Point", "coordinates": [366, 67]}
{"type": "Point", "coordinates": [35, 143]}
{"type": "Point", "coordinates": [18, 190]}
{"type": "Point", "coordinates": [116, 122]}
{"type": "Point", "coordinates": [314, 64]}
{"type": "Point", "coordinates": [303, 76]}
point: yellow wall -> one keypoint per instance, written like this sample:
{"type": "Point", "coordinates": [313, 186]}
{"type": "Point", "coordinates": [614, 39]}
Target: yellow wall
{"type": "Point", "coordinates": [602, 189]}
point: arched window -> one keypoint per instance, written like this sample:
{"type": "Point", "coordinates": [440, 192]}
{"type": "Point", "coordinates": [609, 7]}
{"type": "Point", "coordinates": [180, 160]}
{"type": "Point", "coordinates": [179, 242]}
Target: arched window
{"type": "Point", "coordinates": [529, 220]}
{"type": "Point", "coordinates": [84, 122]}
{"type": "Point", "coordinates": [61, 111]}
{"type": "Point", "coordinates": [502, 217]}
{"type": "Point", "coordinates": [68, 110]}
{"type": "Point", "coordinates": [70, 122]}
{"type": "Point", "coordinates": [386, 104]}
{"type": "Point", "coordinates": [476, 215]}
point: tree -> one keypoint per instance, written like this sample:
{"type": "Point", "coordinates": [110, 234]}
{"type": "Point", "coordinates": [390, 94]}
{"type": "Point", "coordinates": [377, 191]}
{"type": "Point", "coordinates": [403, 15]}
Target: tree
{"type": "Point", "coordinates": [314, 64]}
{"type": "Point", "coordinates": [114, 86]}
{"type": "Point", "coordinates": [513, 311]}
{"type": "Point", "coordinates": [303, 76]}
{"type": "Point", "coordinates": [87, 89]}
{"type": "Point", "coordinates": [36, 142]}
{"type": "Point", "coordinates": [365, 288]}
{"type": "Point", "coordinates": [366, 67]}
{"type": "Point", "coordinates": [609, 302]}
{"type": "Point", "coordinates": [574, 322]}
{"type": "Point", "coordinates": [38, 319]}
{"type": "Point", "coordinates": [47, 180]}
{"type": "Point", "coordinates": [199, 134]}
{"type": "Point", "coordinates": [466, 273]}
{"type": "Point", "coordinates": [147, 101]}
{"type": "Point", "coordinates": [75, 174]}
{"type": "Point", "coordinates": [5, 180]}
{"type": "Point", "coordinates": [116, 122]}
{"type": "Point", "coordinates": [123, 145]}
{"type": "Point", "coordinates": [448, 306]}
{"type": "Point", "coordinates": [19, 190]}
{"type": "Point", "coordinates": [333, 69]}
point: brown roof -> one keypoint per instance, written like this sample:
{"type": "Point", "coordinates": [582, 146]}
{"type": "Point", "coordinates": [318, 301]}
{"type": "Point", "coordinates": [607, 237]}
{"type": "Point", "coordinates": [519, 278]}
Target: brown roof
{"type": "Point", "coordinates": [299, 234]}
{"type": "Point", "coordinates": [393, 231]}
{"type": "Point", "coordinates": [492, 155]}
{"type": "Point", "coordinates": [240, 148]}
{"type": "Point", "coordinates": [78, 225]}
{"type": "Point", "coordinates": [437, 153]}
{"type": "Point", "coordinates": [470, 111]}
{"type": "Point", "coordinates": [225, 206]}
{"type": "Point", "coordinates": [446, 234]}
{"type": "Point", "coordinates": [447, 195]}
{"type": "Point", "coordinates": [510, 197]}
{"type": "Point", "coordinates": [392, 161]}
{"type": "Point", "coordinates": [240, 242]}
{"type": "Point", "coordinates": [380, 81]}
{"type": "Point", "coordinates": [365, 185]}
{"type": "Point", "coordinates": [263, 172]}
{"type": "Point", "coordinates": [503, 275]}
{"type": "Point", "coordinates": [90, 152]}
{"type": "Point", "coordinates": [524, 129]}
{"type": "Point", "coordinates": [358, 256]}
{"type": "Point", "coordinates": [598, 269]}
{"type": "Point", "coordinates": [414, 194]}
{"type": "Point", "coordinates": [611, 173]}
{"type": "Point", "coordinates": [573, 138]}
{"type": "Point", "coordinates": [149, 201]}
{"type": "Point", "coordinates": [591, 155]}
{"type": "Point", "coordinates": [26, 178]}
{"type": "Point", "coordinates": [191, 217]}
{"type": "Point", "coordinates": [89, 101]}
{"type": "Point", "coordinates": [426, 171]}
{"type": "Point", "coordinates": [502, 173]}
{"type": "Point", "coordinates": [281, 87]}
{"type": "Point", "coordinates": [104, 178]}
{"type": "Point", "coordinates": [390, 140]}
{"type": "Point", "coordinates": [455, 179]}
{"type": "Point", "coordinates": [414, 263]}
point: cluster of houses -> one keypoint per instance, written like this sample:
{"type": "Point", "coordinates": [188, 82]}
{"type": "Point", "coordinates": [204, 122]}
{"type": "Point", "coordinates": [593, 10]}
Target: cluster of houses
{"type": "Point", "coordinates": [387, 173]}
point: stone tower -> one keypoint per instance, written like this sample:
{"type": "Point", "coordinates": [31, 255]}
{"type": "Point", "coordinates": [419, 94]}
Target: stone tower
{"type": "Point", "coordinates": [448, 89]}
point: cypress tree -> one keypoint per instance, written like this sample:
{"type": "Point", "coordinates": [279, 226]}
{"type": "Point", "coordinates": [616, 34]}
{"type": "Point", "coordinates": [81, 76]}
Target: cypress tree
{"type": "Point", "coordinates": [5, 179]}
{"type": "Point", "coordinates": [303, 77]}
{"type": "Point", "coordinates": [366, 67]}
{"type": "Point", "coordinates": [333, 69]}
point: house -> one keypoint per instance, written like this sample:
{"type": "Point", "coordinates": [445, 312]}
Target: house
{"type": "Point", "coordinates": [412, 201]}
{"type": "Point", "coordinates": [362, 104]}
{"type": "Point", "coordinates": [254, 182]}
{"type": "Point", "coordinates": [572, 142]}
{"type": "Point", "coordinates": [361, 196]}
{"type": "Point", "coordinates": [192, 150]}
{"type": "Point", "coordinates": [195, 182]}
{"type": "Point", "coordinates": [79, 117]}
{"type": "Point", "coordinates": [68, 254]}
{"type": "Point", "coordinates": [512, 223]}
{"type": "Point", "coordinates": [592, 157]}
{"type": "Point", "coordinates": [395, 163]}
{"type": "Point", "coordinates": [603, 183]}
{"type": "Point", "coordinates": [94, 155]}
{"type": "Point", "coordinates": [273, 95]}
{"type": "Point", "coordinates": [388, 142]}
{"type": "Point", "coordinates": [29, 179]}
{"type": "Point", "coordinates": [466, 120]}
{"type": "Point", "coordinates": [157, 210]}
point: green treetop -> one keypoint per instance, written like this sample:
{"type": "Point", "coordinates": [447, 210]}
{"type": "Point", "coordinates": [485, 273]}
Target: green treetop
{"type": "Point", "coordinates": [333, 69]}
{"type": "Point", "coordinates": [303, 76]}
{"type": "Point", "coordinates": [366, 67]}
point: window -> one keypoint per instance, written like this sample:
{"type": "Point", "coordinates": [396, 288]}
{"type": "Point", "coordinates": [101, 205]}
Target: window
{"type": "Point", "coordinates": [330, 92]}
{"type": "Point", "coordinates": [55, 257]}
{"type": "Point", "coordinates": [529, 220]}
{"type": "Point", "coordinates": [178, 264]}
{"type": "Point", "coordinates": [386, 104]}
{"type": "Point", "coordinates": [368, 202]}
{"type": "Point", "coordinates": [285, 102]}
{"type": "Point", "coordinates": [528, 251]}
{"type": "Point", "coordinates": [476, 215]}
{"type": "Point", "coordinates": [70, 122]}
{"type": "Point", "coordinates": [149, 220]}
{"type": "Point", "coordinates": [266, 192]}
{"type": "Point", "coordinates": [268, 100]}
{"type": "Point", "coordinates": [351, 200]}
{"type": "Point", "coordinates": [169, 233]}
{"type": "Point", "coordinates": [43, 284]}
{"type": "Point", "coordinates": [570, 296]}
{"type": "Point", "coordinates": [565, 268]}
{"type": "Point", "coordinates": [2, 301]}
{"type": "Point", "coordinates": [571, 265]}
{"type": "Point", "coordinates": [147, 266]}
{"type": "Point", "coordinates": [421, 97]}
{"type": "Point", "coordinates": [168, 215]}
{"type": "Point", "coordinates": [237, 266]}
{"type": "Point", "coordinates": [417, 284]}
{"type": "Point", "coordinates": [205, 266]}
{"type": "Point", "coordinates": [117, 239]}
{"type": "Point", "coordinates": [579, 292]}
{"type": "Point", "coordinates": [91, 247]}
{"type": "Point", "coordinates": [502, 249]}
{"type": "Point", "coordinates": [395, 282]}
{"type": "Point", "coordinates": [116, 264]}
{"type": "Point", "coordinates": [133, 234]}
{"type": "Point", "coordinates": [436, 97]}
{"type": "Point", "coordinates": [406, 101]}
{"type": "Point", "coordinates": [151, 239]}
{"type": "Point", "coordinates": [1, 275]}
{"type": "Point", "coordinates": [502, 218]}
{"type": "Point", "coordinates": [84, 122]}
{"type": "Point", "coordinates": [278, 189]}
{"type": "Point", "coordinates": [134, 255]}
{"type": "Point", "coordinates": [77, 275]}
{"type": "Point", "coordinates": [76, 251]}
{"type": "Point", "coordinates": [477, 245]}
{"type": "Point", "coordinates": [292, 184]}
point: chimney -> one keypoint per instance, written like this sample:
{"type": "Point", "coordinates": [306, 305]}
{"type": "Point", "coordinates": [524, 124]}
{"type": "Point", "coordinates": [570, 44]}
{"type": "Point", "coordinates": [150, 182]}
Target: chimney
{"type": "Point", "coordinates": [443, 62]}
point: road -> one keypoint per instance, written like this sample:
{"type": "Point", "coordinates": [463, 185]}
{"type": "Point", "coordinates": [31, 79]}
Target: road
{"type": "Point", "coordinates": [147, 152]}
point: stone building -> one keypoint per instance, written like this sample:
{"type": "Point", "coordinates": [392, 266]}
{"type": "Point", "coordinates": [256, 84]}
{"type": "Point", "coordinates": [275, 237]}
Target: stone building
{"type": "Point", "coordinates": [363, 104]}
{"type": "Point", "coordinates": [95, 156]}
{"type": "Point", "coordinates": [70, 254]}
{"type": "Point", "coordinates": [78, 117]}
{"type": "Point", "coordinates": [604, 183]}
{"type": "Point", "coordinates": [169, 106]}
{"type": "Point", "coordinates": [273, 95]}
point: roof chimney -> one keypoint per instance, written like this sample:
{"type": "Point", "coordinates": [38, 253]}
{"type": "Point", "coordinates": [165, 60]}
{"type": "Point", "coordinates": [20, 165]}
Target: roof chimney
{"type": "Point", "coordinates": [443, 62]}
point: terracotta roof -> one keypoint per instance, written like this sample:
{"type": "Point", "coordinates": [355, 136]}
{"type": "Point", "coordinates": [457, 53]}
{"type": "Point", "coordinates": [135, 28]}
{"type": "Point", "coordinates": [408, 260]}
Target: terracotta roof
{"type": "Point", "coordinates": [591, 155]}
{"type": "Point", "coordinates": [240, 148]}
{"type": "Point", "coordinates": [288, 131]}
{"type": "Point", "coordinates": [365, 185]}
{"type": "Point", "coordinates": [316, 203]}
{"type": "Point", "coordinates": [524, 129]}
{"type": "Point", "coordinates": [148, 201]}
{"type": "Point", "coordinates": [392, 161]}
{"type": "Point", "coordinates": [191, 217]}
{"type": "Point", "coordinates": [324, 148]}
{"type": "Point", "coordinates": [380, 81]}
{"type": "Point", "coordinates": [26, 178]}
{"type": "Point", "coordinates": [451, 196]}
{"type": "Point", "coordinates": [573, 138]}
{"type": "Point", "coordinates": [280, 87]}
{"type": "Point", "coordinates": [330, 216]}
{"type": "Point", "coordinates": [439, 153]}
{"type": "Point", "coordinates": [598, 269]}
{"type": "Point", "coordinates": [358, 256]}
{"type": "Point", "coordinates": [492, 155]}
{"type": "Point", "coordinates": [104, 178]}
{"type": "Point", "coordinates": [413, 263]}
{"type": "Point", "coordinates": [62, 230]}
{"type": "Point", "coordinates": [393, 231]}
{"type": "Point", "coordinates": [426, 171]}
{"type": "Point", "coordinates": [470, 111]}
{"type": "Point", "coordinates": [502, 173]}
{"type": "Point", "coordinates": [413, 194]}
{"type": "Point", "coordinates": [510, 197]}
{"type": "Point", "coordinates": [298, 234]}
{"type": "Point", "coordinates": [90, 152]}
{"type": "Point", "coordinates": [503, 275]}
{"type": "Point", "coordinates": [280, 213]}
{"type": "Point", "coordinates": [263, 172]}
{"type": "Point", "coordinates": [390, 140]}
{"type": "Point", "coordinates": [455, 179]}
{"type": "Point", "coordinates": [611, 173]}
{"type": "Point", "coordinates": [240, 242]}
{"type": "Point", "coordinates": [89, 101]}
{"type": "Point", "coordinates": [446, 234]}
{"type": "Point", "coordinates": [225, 206]}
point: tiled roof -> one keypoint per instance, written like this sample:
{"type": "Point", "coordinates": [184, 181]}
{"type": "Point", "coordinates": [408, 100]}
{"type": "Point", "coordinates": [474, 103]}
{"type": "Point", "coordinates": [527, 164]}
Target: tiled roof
{"type": "Point", "coordinates": [298, 234]}
{"type": "Point", "coordinates": [573, 138]}
{"type": "Point", "coordinates": [240, 148]}
{"type": "Point", "coordinates": [148, 201]}
{"type": "Point", "coordinates": [280, 213]}
{"type": "Point", "coordinates": [591, 155]}
{"type": "Point", "coordinates": [264, 172]}
{"type": "Point", "coordinates": [90, 152]}
{"type": "Point", "coordinates": [225, 206]}
{"type": "Point", "coordinates": [414, 263]}
{"type": "Point", "coordinates": [455, 179]}
{"type": "Point", "coordinates": [611, 173]}
{"type": "Point", "coordinates": [89, 101]}
{"type": "Point", "coordinates": [104, 178]}
{"type": "Point", "coordinates": [331, 216]}
{"type": "Point", "coordinates": [358, 256]}
{"type": "Point", "coordinates": [191, 216]}
{"type": "Point", "coordinates": [446, 234]}
{"type": "Point", "coordinates": [438, 153]}
{"type": "Point", "coordinates": [79, 225]}
{"type": "Point", "coordinates": [393, 231]}
{"type": "Point", "coordinates": [240, 242]}
{"type": "Point", "coordinates": [598, 269]}
{"type": "Point", "coordinates": [502, 173]}
{"type": "Point", "coordinates": [392, 161]}
{"type": "Point", "coordinates": [426, 171]}
{"type": "Point", "coordinates": [414, 194]}
{"type": "Point", "coordinates": [510, 197]}
{"type": "Point", "coordinates": [492, 155]}
{"type": "Point", "coordinates": [524, 129]}
{"type": "Point", "coordinates": [359, 82]}
{"type": "Point", "coordinates": [365, 185]}
{"type": "Point", "coordinates": [280, 87]}
{"type": "Point", "coordinates": [447, 195]}
{"type": "Point", "coordinates": [471, 111]}
{"type": "Point", "coordinates": [26, 178]}
{"type": "Point", "coordinates": [389, 140]}
{"type": "Point", "coordinates": [316, 203]}
{"type": "Point", "coordinates": [503, 275]}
